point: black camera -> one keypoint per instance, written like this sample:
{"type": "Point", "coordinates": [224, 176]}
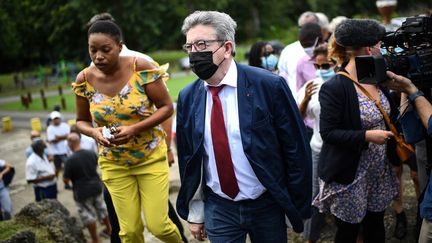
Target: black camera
{"type": "Point", "coordinates": [407, 52]}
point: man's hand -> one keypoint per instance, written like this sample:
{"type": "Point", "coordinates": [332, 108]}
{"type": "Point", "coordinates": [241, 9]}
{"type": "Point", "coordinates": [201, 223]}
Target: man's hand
{"type": "Point", "coordinates": [198, 231]}
{"type": "Point", "coordinates": [400, 83]}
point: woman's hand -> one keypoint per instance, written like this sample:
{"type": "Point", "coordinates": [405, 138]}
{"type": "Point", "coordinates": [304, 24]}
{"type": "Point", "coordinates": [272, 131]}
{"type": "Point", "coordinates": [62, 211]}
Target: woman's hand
{"type": "Point", "coordinates": [310, 90]}
{"type": "Point", "coordinates": [123, 134]}
{"type": "Point", "coordinates": [96, 133]}
{"type": "Point", "coordinates": [378, 136]}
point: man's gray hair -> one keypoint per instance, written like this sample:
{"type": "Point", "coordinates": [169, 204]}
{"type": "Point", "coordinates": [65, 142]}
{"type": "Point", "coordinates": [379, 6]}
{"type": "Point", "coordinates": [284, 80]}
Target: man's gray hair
{"type": "Point", "coordinates": [223, 24]}
{"type": "Point", "coordinates": [307, 17]}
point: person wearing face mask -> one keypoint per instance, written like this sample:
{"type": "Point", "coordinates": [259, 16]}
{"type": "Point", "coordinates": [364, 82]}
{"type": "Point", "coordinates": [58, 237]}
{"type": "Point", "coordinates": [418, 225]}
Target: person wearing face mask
{"type": "Point", "coordinates": [310, 36]}
{"type": "Point", "coordinates": [244, 159]}
{"type": "Point", "coordinates": [357, 182]}
{"type": "Point", "coordinates": [269, 60]}
{"type": "Point", "coordinates": [290, 55]}
{"type": "Point", "coordinates": [262, 55]}
{"type": "Point", "coordinates": [310, 107]}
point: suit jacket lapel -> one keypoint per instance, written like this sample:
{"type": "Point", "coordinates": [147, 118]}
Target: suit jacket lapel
{"type": "Point", "coordinates": [199, 108]}
{"type": "Point", "coordinates": [245, 103]}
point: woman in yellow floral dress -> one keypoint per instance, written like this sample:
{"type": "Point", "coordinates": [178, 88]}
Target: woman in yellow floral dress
{"type": "Point", "coordinates": [121, 94]}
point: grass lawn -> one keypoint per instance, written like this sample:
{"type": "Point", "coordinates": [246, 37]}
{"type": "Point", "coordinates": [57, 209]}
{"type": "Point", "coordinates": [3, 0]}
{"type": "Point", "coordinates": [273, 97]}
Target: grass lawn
{"type": "Point", "coordinates": [174, 85]}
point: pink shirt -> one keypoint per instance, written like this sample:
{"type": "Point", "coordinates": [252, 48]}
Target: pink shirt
{"type": "Point", "coordinates": [305, 71]}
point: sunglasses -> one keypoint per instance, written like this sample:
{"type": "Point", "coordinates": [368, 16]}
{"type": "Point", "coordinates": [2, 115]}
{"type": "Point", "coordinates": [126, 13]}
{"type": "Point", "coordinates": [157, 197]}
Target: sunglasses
{"type": "Point", "coordinates": [323, 66]}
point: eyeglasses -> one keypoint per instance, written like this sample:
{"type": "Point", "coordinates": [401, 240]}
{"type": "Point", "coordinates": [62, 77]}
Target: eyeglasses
{"type": "Point", "coordinates": [323, 66]}
{"type": "Point", "coordinates": [200, 45]}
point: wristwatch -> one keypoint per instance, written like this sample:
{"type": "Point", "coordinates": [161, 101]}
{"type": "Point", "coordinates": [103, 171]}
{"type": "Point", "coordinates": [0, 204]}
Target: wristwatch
{"type": "Point", "coordinates": [412, 97]}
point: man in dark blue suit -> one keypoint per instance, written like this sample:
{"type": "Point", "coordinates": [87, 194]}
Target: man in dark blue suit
{"type": "Point", "coordinates": [244, 159]}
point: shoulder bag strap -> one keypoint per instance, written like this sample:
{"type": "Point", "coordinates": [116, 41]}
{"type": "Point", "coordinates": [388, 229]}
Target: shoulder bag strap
{"type": "Point", "coordinates": [377, 103]}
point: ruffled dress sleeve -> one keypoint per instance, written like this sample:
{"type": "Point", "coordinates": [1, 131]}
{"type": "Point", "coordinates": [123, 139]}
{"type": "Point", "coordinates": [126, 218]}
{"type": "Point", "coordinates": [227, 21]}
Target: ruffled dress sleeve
{"type": "Point", "coordinates": [151, 75]}
{"type": "Point", "coordinates": [83, 89]}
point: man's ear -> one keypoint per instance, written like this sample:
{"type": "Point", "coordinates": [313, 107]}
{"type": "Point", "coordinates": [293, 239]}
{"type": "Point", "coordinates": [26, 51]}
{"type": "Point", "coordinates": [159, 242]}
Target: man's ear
{"type": "Point", "coordinates": [229, 48]}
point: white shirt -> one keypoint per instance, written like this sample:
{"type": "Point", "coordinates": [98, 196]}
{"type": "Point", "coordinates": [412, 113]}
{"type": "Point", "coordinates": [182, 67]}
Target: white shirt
{"type": "Point", "coordinates": [313, 111]}
{"type": "Point", "coordinates": [53, 131]}
{"type": "Point", "coordinates": [88, 143]}
{"type": "Point", "coordinates": [125, 52]}
{"type": "Point", "coordinates": [249, 185]}
{"type": "Point", "coordinates": [36, 167]}
{"type": "Point", "coordinates": [287, 64]}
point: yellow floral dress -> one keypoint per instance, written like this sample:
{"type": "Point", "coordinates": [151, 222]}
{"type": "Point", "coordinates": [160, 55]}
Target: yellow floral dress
{"type": "Point", "coordinates": [129, 106]}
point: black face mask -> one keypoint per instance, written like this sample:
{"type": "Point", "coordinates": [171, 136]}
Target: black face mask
{"type": "Point", "coordinates": [202, 63]}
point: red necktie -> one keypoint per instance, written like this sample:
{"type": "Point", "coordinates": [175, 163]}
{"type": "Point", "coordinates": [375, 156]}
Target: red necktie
{"type": "Point", "coordinates": [221, 148]}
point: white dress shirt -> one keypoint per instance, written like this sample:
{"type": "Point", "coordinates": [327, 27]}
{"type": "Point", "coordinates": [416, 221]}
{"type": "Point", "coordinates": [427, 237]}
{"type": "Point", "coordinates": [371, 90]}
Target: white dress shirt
{"type": "Point", "coordinates": [249, 185]}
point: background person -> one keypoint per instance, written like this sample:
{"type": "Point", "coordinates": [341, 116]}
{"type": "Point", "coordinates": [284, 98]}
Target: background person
{"type": "Point", "coordinates": [41, 172]}
{"type": "Point", "coordinates": [357, 182]}
{"type": "Point", "coordinates": [310, 107]}
{"type": "Point", "coordinates": [81, 170]}
{"type": "Point", "coordinates": [57, 132]}
{"type": "Point", "coordinates": [423, 110]}
{"type": "Point", "coordinates": [290, 55]}
{"type": "Point", "coordinates": [310, 36]}
{"type": "Point", "coordinates": [261, 54]}
{"type": "Point", "coordinates": [35, 135]}
{"type": "Point", "coordinates": [5, 200]}
{"type": "Point", "coordinates": [86, 142]}
{"type": "Point", "coordinates": [252, 170]}
{"type": "Point", "coordinates": [121, 93]}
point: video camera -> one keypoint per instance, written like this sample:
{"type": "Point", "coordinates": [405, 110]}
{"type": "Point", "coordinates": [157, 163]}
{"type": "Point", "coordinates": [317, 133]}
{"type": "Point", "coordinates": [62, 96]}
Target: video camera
{"type": "Point", "coordinates": [406, 51]}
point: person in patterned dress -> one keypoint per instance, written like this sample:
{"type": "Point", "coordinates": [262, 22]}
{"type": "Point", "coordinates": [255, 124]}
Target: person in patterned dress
{"type": "Point", "coordinates": [121, 94]}
{"type": "Point", "coordinates": [357, 183]}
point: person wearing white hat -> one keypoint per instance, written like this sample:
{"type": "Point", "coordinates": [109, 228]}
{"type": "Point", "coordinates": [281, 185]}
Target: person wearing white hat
{"type": "Point", "coordinates": [57, 133]}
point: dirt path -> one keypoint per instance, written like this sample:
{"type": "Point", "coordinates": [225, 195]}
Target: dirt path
{"type": "Point", "coordinates": [13, 145]}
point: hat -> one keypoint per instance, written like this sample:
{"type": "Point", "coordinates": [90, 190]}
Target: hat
{"type": "Point", "coordinates": [54, 115]}
{"type": "Point", "coordinates": [359, 32]}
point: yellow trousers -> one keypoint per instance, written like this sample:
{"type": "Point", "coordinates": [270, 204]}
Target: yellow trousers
{"type": "Point", "coordinates": [143, 188]}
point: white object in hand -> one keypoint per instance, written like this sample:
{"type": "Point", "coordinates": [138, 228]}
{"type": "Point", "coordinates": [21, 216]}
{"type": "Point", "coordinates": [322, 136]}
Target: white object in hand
{"type": "Point", "coordinates": [106, 133]}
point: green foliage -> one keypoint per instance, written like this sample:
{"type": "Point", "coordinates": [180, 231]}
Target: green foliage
{"type": "Point", "coordinates": [174, 84]}
{"type": "Point", "coordinates": [45, 31]}
{"type": "Point", "coordinates": [9, 228]}
{"type": "Point", "coordinates": [170, 56]}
